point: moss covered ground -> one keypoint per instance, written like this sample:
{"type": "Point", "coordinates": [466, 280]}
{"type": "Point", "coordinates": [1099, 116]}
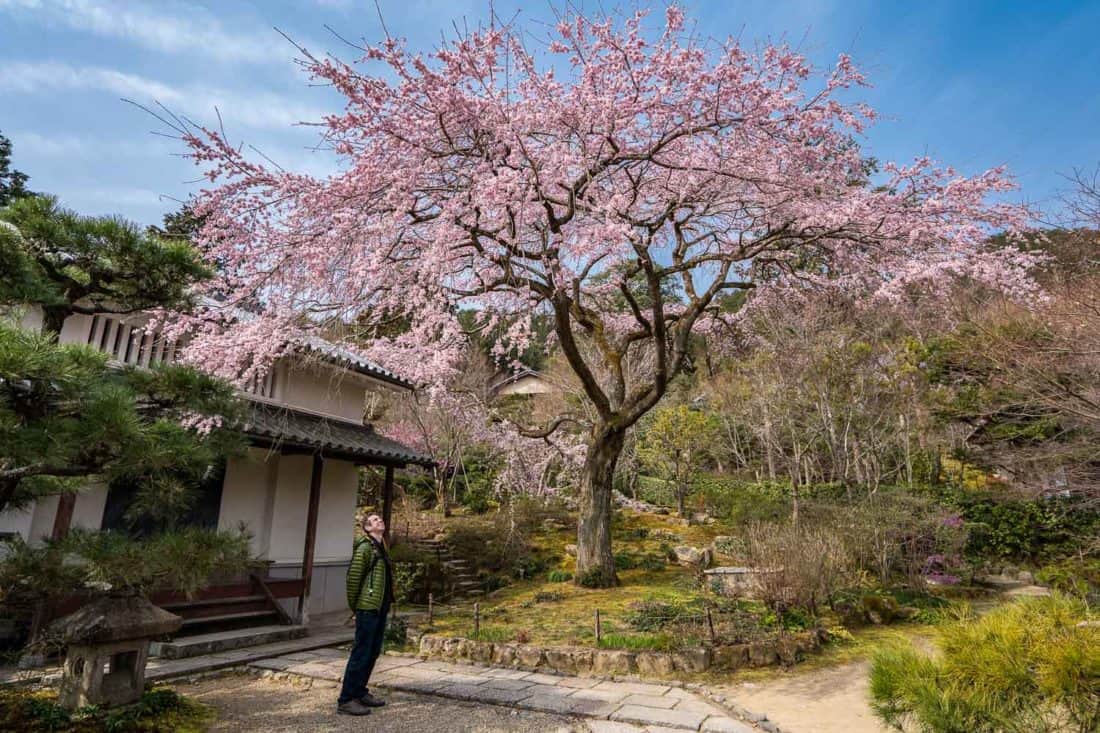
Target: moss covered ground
{"type": "Point", "coordinates": [159, 709]}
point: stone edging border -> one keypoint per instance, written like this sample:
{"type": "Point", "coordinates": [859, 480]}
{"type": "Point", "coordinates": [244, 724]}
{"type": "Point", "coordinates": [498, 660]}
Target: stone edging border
{"type": "Point", "coordinates": [524, 657]}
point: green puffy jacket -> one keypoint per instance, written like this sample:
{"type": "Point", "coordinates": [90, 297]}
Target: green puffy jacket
{"type": "Point", "coordinates": [366, 582]}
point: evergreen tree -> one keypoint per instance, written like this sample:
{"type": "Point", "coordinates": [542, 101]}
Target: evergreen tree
{"type": "Point", "coordinates": [67, 416]}
{"type": "Point", "coordinates": [12, 182]}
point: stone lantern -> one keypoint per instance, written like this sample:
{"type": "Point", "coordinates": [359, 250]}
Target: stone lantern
{"type": "Point", "coordinates": [108, 643]}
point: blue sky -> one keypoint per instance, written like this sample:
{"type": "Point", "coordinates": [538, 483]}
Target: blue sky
{"type": "Point", "coordinates": [974, 84]}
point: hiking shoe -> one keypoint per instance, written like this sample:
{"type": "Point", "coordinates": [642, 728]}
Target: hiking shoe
{"type": "Point", "coordinates": [371, 701]}
{"type": "Point", "coordinates": [352, 707]}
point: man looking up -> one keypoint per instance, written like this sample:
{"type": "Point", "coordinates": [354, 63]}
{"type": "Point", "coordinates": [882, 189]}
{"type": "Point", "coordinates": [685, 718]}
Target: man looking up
{"type": "Point", "coordinates": [370, 593]}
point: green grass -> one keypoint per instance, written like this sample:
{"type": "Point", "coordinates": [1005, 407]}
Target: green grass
{"type": "Point", "coordinates": [493, 633]}
{"type": "Point", "coordinates": [636, 642]}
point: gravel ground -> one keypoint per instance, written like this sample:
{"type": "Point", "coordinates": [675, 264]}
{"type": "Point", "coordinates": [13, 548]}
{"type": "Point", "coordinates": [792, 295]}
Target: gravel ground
{"type": "Point", "coordinates": [247, 703]}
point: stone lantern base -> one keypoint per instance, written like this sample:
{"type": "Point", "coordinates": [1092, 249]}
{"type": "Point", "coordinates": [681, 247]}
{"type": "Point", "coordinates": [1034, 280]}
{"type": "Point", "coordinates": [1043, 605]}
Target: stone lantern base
{"type": "Point", "coordinates": [104, 674]}
{"type": "Point", "coordinates": [108, 644]}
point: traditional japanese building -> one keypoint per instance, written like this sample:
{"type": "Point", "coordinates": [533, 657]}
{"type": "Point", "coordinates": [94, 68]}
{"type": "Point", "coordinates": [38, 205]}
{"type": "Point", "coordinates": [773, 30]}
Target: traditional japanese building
{"type": "Point", "coordinates": [294, 489]}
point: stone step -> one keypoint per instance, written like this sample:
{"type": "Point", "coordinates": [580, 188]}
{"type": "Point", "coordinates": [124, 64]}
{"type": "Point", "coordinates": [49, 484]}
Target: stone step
{"type": "Point", "coordinates": [230, 617]}
{"type": "Point", "coordinates": [220, 641]}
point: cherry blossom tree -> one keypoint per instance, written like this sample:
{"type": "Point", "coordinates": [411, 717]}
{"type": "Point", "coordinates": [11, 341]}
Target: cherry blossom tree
{"type": "Point", "coordinates": [574, 174]}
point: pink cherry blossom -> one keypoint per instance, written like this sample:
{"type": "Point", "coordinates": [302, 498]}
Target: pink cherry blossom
{"type": "Point", "coordinates": [511, 175]}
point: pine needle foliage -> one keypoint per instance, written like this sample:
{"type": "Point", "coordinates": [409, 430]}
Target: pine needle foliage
{"type": "Point", "coordinates": [1032, 666]}
{"type": "Point", "coordinates": [66, 263]}
{"type": "Point", "coordinates": [67, 417]}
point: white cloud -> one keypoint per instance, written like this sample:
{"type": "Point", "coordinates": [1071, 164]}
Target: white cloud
{"type": "Point", "coordinates": [237, 107]}
{"type": "Point", "coordinates": [66, 146]}
{"type": "Point", "coordinates": [147, 26]}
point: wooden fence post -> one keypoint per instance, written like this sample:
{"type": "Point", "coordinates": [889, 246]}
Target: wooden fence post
{"type": "Point", "coordinates": [710, 626]}
{"type": "Point", "coordinates": [598, 634]}
{"type": "Point", "coordinates": [477, 621]}
{"type": "Point", "coordinates": [429, 610]}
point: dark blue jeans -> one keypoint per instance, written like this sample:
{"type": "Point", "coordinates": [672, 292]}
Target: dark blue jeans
{"type": "Point", "coordinates": [370, 627]}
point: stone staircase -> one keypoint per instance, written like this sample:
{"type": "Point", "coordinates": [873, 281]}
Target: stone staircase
{"type": "Point", "coordinates": [460, 577]}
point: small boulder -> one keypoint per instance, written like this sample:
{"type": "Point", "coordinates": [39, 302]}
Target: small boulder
{"type": "Point", "coordinates": [692, 660]}
{"type": "Point", "coordinates": [654, 664]}
{"type": "Point", "coordinates": [762, 654]}
{"type": "Point", "coordinates": [571, 550]}
{"type": "Point", "coordinates": [504, 655]}
{"type": "Point", "coordinates": [688, 556]}
{"type": "Point", "coordinates": [614, 662]}
{"type": "Point", "coordinates": [528, 657]}
{"type": "Point", "coordinates": [731, 656]}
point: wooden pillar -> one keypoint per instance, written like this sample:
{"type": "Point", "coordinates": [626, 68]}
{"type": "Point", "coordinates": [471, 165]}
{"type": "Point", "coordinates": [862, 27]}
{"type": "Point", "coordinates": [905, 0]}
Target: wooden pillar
{"type": "Point", "coordinates": [311, 536]}
{"type": "Point", "coordinates": [64, 516]}
{"type": "Point", "coordinates": [387, 500]}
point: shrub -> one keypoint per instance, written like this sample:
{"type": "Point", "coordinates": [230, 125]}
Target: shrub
{"type": "Point", "coordinates": [397, 632]}
{"type": "Point", "coordinates": [625, 561]}
{"type": "Point", "coordinates": [1076, 576]}
{"type": "Point", "coordinates": [652, 615]}
{"type": "Point", "coordinates": [1026, 666]}
{"type": "Point", "coordinates": [894, 533]}
{"type": "Point", "coordinates": [559, 576]}
{"type": "Point", "coordinates": [740, 502]}
{"type": "Point", "coordinates": [548, 596]}
{"type": "Point", "coordinates": [1045, 528]}
{"type": "Point", "coordinates": [802, 565]}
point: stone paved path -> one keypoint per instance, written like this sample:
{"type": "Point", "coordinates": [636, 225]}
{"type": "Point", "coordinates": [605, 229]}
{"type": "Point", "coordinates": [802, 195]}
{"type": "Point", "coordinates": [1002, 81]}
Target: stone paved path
{"type": "Point", "coordinates": [612, 707]}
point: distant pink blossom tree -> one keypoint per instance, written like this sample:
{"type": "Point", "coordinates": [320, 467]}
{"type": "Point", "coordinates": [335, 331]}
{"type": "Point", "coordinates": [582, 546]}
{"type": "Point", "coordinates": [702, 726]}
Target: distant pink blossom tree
{"type": "Point", "coordinates": [583, 177]}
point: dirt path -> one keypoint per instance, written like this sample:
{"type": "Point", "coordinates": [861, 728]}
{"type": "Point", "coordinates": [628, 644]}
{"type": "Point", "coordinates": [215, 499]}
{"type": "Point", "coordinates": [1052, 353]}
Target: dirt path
{"type": "Point", "coordinates": [829, 700]}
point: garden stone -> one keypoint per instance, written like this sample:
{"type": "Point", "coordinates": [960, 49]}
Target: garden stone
{"type": "Point", "coordinates": [654, 664]}
{"type": "Point", "coordinates": [481, 652]}
{"type": "Point", "coordinates": [614, 662]}
{"type": "Point", "coordinates": [1025, 577]}
{"type": "Point", "coordinates": [762, 654]}
{"type": "Point", "coordinates": [688, 556]}
{"type": "Point", "coordinates": [571, 550]}
{"type": "Point", "coordinates": [692, 660]}
{"type": "Point", "coordinates": [529, 657]}
{"type": "Point", "coordinates": [504, 655]}
{"type": "Point", "coordinates": [732, 656]}
{"type": "Point", "coordinates": [788, 650]}
{"type": "Point", "coordinates": [570, 661]}
{"type": "Point", "coordinates": [465, 649]}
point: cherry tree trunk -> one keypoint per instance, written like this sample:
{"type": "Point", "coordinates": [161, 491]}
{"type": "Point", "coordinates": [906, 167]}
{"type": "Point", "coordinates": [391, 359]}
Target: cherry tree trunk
{"type": "Point", "coordinates": [595, 563]}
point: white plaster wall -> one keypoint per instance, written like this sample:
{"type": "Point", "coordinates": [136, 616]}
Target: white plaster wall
{"type": "Point", "coordinates": [248, 495]}
{"type": "Point", "coordinates": [322, 389]}
{"type": "Point", "coordinates": [88, 509]}
{"type": "Point", "coordinates": [75, 329]}
{"type": "Point", "coordinates": [288, 520]}
{"type": "Point", "coordinates": [42, 524]}
{"type": "Point", "coordinates": [18, 522]}
{"type": "Point", "coordinates": [336, 513]}
{"type": "Point", "coordinates": [36, 521]}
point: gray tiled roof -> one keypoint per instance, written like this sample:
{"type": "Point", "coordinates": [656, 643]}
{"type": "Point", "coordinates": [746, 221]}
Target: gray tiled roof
{"type": "Point", "coordinates": [286, 427]}
{"type": "Point", "coordinates": [349, 359]}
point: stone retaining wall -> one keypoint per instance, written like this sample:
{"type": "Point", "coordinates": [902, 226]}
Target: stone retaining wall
{"type": "Point", "coordinates": [612, 662]}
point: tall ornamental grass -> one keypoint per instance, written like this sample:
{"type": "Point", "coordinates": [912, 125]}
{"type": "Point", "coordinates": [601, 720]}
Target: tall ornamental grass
{"type": "Point", "coordinates": [1032, 666]}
